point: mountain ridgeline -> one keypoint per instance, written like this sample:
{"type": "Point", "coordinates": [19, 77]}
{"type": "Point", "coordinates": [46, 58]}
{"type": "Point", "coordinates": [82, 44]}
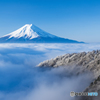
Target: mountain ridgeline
{"type": "Point", "coordinates": [79, 63]}
{"type": "Point", "coordinates": [32, 34]}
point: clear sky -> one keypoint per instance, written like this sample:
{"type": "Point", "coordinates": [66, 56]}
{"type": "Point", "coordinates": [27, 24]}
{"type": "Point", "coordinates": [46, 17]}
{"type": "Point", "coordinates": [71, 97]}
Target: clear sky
{"type": "Point", "coordinates": [73, 19]}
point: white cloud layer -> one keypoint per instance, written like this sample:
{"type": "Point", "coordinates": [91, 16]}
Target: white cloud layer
{"type": "Point", "coordinates": [21, 80]}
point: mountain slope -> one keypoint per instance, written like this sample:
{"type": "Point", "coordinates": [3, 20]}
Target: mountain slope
{"type": "Point", "coordinates": [77, 64]}
{"type": "Point", "coordinates": [84, 61]}
{"type": "Point", "coordinates": [30, 33]}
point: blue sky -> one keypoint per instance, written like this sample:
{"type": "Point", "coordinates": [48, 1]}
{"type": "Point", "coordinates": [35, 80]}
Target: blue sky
{"type": "Point", "coordinates": [73, 19]}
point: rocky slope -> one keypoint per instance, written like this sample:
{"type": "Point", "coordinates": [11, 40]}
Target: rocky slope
{"type": "Point", "coordinates": [80, 63]}
{"type": "Point", "coordinates": [94, 87]}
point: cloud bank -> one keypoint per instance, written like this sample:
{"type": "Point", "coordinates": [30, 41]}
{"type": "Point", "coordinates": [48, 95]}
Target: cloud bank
{"type": "Point", "coordinates": [21, 80]}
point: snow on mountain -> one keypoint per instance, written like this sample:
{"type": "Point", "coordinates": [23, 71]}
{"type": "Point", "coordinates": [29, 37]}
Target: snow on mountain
{"type": "Point", "coordinates": [29, 31]}
{"type": "Point", "coordinates": [32, 34]}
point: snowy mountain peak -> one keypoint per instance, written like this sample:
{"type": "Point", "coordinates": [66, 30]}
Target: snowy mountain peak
{"type": "Point", "coordinates": [24, 31]}
{"type": "Point", "coordinates": [32, 34]}
{"type": "Point", "coordinates": [29, 31]}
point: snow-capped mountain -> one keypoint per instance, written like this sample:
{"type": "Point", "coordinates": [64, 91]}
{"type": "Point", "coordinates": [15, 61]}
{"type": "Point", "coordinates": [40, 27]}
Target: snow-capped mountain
{"type": "Point", "coordinates": [30, 33]}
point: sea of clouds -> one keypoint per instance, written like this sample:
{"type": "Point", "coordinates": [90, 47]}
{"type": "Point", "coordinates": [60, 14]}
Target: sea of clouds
{"type": "Point", "coordinates": [20, 79]}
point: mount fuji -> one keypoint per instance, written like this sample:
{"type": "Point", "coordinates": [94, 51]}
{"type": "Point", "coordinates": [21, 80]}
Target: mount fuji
{"type": "Point", "coordinates": [32, 34]}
